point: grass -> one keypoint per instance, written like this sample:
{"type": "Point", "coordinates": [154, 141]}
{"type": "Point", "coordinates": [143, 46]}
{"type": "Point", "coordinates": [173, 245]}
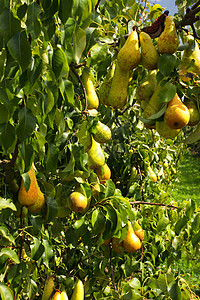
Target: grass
{"type": "Point", "coordinates": [188, 187]}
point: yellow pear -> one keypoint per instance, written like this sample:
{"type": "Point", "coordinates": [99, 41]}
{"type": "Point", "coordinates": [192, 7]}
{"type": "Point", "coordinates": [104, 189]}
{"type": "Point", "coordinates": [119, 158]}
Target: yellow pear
{"type": "Point", "coordinates": [101, 133]}
{"type": "Point", "coordinates": [78, 202]}
{"type": "Point", "coordinates": [131, 243]}
{"type": "Point", "coordinates": [48, 288]}
{"type": "Point", "coordinates": [149, 53]}
{"type": "Point", "coordinates": [193, 110]}
{"type": "Point", "coordinates": [106, 85]}
{"type": "Point", "coordinates": [152, 174]}
{"type": "Point", "coordinates": [92, 98]}
{"type": "Point", "coordinates": [138, 231]}
{"type": "Point", "coordinates": [118, 94]}
{"type": "Point", "coordinates": [165, 131]}
{"type": "Point", "coordinates": [129, 55]}
{"type": "Point", "coordinates": [78, 293]}
{"type": "Point", "coordinates": [190, 61]}
{"type": "Point", "coordinates": [63, 296]}
{"type": "Point", "coordinates": [103, 173]}
{"type": "Point", "coordinates": [56, 296]}
{"type": "Point", "coordinates": [168, 40]}
{"type": "Point", "coordinates": [39, 203]}
{"type": "Point", "coordinates": [147, 87]}
{"type": "Point", "coordinates": [30, 197]}
{"type": "Point", "coordinates": [96, 158]}
{"type": "Point", "coordinates": [177, 114]}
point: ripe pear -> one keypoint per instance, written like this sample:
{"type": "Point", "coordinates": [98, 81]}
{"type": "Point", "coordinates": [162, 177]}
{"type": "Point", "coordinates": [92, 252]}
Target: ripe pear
{"type": "Point", "coordinates": [149, 53]}
{"type": "Point", "coordinates": [168, 40]}
{"type": "Point", "coordinates": [154, 104]}
{"type": "Point", "coordinates": [30, 197]}
{"type": "Point", "coordinates": [78, 293]}
{"type": "Point", "coordinates": [63, 296]}
{"type": "Point", "coordinates": [152, 174]}
{"type": "Point", "coordinates": [106, 85]}
{"type": "Point", "coordinates": [165, 131]}
{"type": "Point", "coordinates": [96, 158]}
{"type": "Point", "coordinates": [191, 56]}
{"type": "Point", "coordinates": [131, 243]}
{"type": "Point", "coordinates": [129, 55]}
{"type": "Point", "coordinates": [78, 202]}
{"type": "Point", "coordinates": [101, 133]}
{"type": "Point", "coordinates": [84, 135]}
{"type": "Point", "coordinates": [118, 94]}
{"type": "Point", "coordinates": [39, 203]}
{"type": "Point", "coordinates": [177, 114]}
{"type": "Point", "coordinates": [48, 288]}
{"type": "Point", "coordinates": [56, 296]}
{"type": "Point", "coordinates": [193, 110]}
{"type": "Point", "coordinates": [103, 173]}
{"type": "Point", "coordinates": [146, 89]}
{"type": "Point", "coordinates": [92, 98]}
{"type": "Point", "coordinates": [138, 231]}
{"type": "Point", "coordinates": [117, 245]}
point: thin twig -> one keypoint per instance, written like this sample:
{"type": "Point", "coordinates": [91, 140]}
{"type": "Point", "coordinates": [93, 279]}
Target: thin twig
{"type": "Point", "coordinates": [145, 4]}
{"type": "Point", "coordinates": [15, 155]}
{"type": "Point", "coordinates": [112, 268]}
{"type": "Point", "coordinates": [152, 203]}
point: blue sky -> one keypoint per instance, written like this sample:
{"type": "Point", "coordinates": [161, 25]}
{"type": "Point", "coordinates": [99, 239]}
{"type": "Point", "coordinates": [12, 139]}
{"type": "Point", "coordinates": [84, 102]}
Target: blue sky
{"type": "Point", "coordinates": [167, 4]}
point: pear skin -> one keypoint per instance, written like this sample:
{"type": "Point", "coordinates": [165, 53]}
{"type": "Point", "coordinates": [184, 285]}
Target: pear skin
{"type": "Point", "coordinates": [101, 133]}
{"type": "Point", "coordinates": [78, 293]}
{"type": "Point", "coordinates": [39, 203]}
{"type": "Point", "coordinates": [152, 174]}
{"type": "Point", "coordinates": [131, 243]}
{"type": "Point", "coordinates": [63, 296]}
{"type": "Point", "coordinates": [92, 98]}
{"type": "Point", "coordinates": [168, 40]}
{"type": "Point", "coordinates": [103, 173]}
{"type": "Point", "coordinates": [138, 231]}
{"type": "Point", "coordinates": [191, 56]}
{"type": "Point", "coordinates": [56, 296]}
{"type": "Point", "coordinates": [96, 158]}
{"type": "Point", "coordinates": [77, 202]}
{"type": "Point", "coordinates": [118, 94]}
{"type": "Point", "coordinates": [177, 114]}
{"type": "Point", "coordinates": [129, 55]}
{"type": "Point", "coordinates": [149, 53]}
{"type": "Point", "coordinates": [147, 87]}
{"type": "Point", "coordinates": [30, 197]}
{"type": "Point", "coordinates": [106, 85]}
{"type": "Point", "coordinates": [165, 131]}
{"type": "Point", "coordinates": [194, 113]}
{"type": "Point", "coordinates": [48, 288]}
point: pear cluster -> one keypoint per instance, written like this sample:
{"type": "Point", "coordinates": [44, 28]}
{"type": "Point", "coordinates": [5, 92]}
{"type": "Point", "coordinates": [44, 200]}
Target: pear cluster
{"type": "Point", "coordinates": [49, 291]}
{"type": "Point", "coordinates": [33, 199]}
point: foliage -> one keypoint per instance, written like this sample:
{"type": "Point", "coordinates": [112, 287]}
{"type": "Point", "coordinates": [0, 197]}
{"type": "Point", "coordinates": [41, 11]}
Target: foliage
{"type": "Point", "coordinates": [44, 47]}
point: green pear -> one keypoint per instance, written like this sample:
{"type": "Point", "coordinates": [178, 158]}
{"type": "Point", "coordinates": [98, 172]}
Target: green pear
{"type": "Point", "coordinates": [84, 135]}
{"type": "Point", "coordinates": [191, 56]}
{"type": "Point", "coordinates": [168, 40]}
{"type": "Point", "coordinates": [129, 55]}
{"type": "Point", "coordinates": [154, 104]}
{"type": "Point", "coordinates": [149, 53]}
{"type": "Point", "coordinates": [106, 85]}
{"type": "Point", "coordinates": [177, 114]}
{"type": "Point", "coordinates": [48, 288]}
{"type": "Point", "coordinates": [92, 98]}
{"type": "Point", "coordinates": [118, 95]}
{"type": "Point", "coordinates": [193, 110]}
{"type": "Point", "coordinates": [147, 87]}
{"type": "Point", "coordinates": [96, 158]}
{"type": "Point", "coordinates": [101, 133]}
{"type": "Point", "coordinates": [78, 292]}
{"type": "Point", "coordinates": [165, 131]}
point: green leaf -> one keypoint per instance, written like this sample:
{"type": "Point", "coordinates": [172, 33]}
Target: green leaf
{"type": "Point", "coordinates": [196, 239]}
{"type": "Point", "coordinates": [48, 254]}
{"type": "Point", "coordinates": [49, 101]}
{"type": "Point", "coordinates": [167, 93]}
{"type": "Point", "coordinates": [32, 22]}
{"type": "Point", "coordinates": [60, 63]}
{"type": "Point", "coordinates": [180, 224]}
{"type": "Point", "coordinates": [99, 52]}
{"type": "Point", "coordinates": [110, 188]}
{"type": "Point", "coordinates": [5, 292]}
{"type": "Point", "coordinates": [27, 123]}
{"type": "Point", "coordinates": [69, 90]}
{"type": "Point", "coordinates": [166, 64]}
{"type": "Point", "coordinates": [190, 208]}
{"type": "Point", "coordinates": [37, 249]}
{"type": "Point", "coordinates": [52, 158]}
{"type": "Point", "coordinates": [9, 25]}
{"type": "Point", "coordinates": [20, 49]}
{"type": "Point", "coordinates": [2, 62]}
{"type": "Point", "coordinates": [65, 10]}
{"type": "Point", "coordinates": [79, 43]}
{"type": "Point", "coordinates": [7, 203]}
{"type": "Point", "coordinates": [4, 114]}
{"type": "Point", "coordinates": [10, 254]}
{"type": "Point", "coordinates": [35, 71]}
{"type": "Point", "coordinates": [6, 234]}
{"type": "Point", "coordinates": [52, 209]}
{"type": "Point", "coordinates": [26, 180]}
{"type": "Point", "coordinates": [7, 135]}
{"type": "Point", "coordinates": [98, 220]}
{"type": "Point", "coordinates": [175, 291]}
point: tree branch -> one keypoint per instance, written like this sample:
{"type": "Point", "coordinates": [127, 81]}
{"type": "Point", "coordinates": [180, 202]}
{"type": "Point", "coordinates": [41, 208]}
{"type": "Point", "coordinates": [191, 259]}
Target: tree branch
{"type": "Point", "coordinates": [152, 203]}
